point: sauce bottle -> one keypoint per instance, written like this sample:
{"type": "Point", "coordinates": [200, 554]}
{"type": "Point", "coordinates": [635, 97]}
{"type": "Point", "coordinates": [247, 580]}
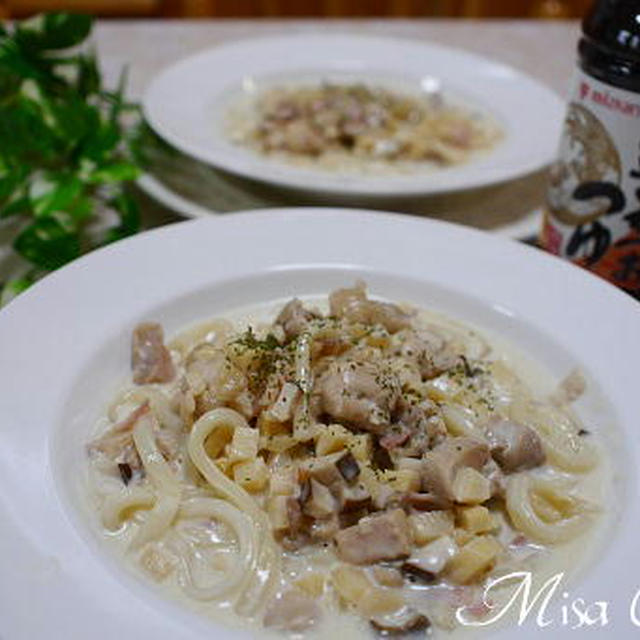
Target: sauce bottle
{"type": "Point", "coordinates": [593, 199]}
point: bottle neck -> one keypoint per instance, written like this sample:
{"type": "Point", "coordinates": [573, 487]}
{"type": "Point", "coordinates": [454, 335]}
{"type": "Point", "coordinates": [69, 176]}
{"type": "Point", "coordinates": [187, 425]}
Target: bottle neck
{"type": "Point", "coordinates": [610, 46]}
{"type": "Point", "coordinates": [610, 65]}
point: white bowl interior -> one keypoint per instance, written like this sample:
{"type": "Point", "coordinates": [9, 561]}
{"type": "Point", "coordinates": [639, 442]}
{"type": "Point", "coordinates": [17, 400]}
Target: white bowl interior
{"type": "Point", "coordinates": [108, 367]}
{"type": "Point", "coordinates": [65, 351]}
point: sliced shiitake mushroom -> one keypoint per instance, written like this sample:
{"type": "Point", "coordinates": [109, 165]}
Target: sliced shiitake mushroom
{"type": "Point", "coordinates": [403, 621]}
{"type": "Point", "coordinates": [348, 467]}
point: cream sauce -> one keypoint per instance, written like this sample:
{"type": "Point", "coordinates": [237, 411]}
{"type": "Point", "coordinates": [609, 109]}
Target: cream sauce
{"type": "Point", "coordinates": [573, 558]}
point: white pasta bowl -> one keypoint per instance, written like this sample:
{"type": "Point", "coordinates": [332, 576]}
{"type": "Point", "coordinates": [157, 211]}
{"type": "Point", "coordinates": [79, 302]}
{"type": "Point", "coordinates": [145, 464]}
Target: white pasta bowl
{"type": "Point", "coordinates": [64, 349]}
{"type": "Point", "coordinates": [188, 105]}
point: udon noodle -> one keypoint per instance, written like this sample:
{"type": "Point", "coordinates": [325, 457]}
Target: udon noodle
{"type": "Point", "coordinates": [367, 460]}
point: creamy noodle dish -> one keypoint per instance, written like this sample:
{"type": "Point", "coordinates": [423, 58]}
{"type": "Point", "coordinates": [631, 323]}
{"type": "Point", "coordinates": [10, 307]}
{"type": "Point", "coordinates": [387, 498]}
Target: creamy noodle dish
{"type": "Point", "coordinates": [332, 124]}
{"type": "Point", "coordinates": [372, 466]}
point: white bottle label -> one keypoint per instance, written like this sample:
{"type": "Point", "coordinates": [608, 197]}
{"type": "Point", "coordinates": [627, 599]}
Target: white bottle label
{"type": "Point", "coordinates": [593, 213]}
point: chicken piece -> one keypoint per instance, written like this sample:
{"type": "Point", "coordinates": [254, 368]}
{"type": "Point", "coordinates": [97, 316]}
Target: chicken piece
{"type": "Point", "coordinates": [294, 318]}
{"type": "Point", "coordinates": [394, 438]}
{"type": "Point", "coordinates": [213, 381]}
{"type": "Point", "coordinates": [150, 359]}
{"type": "Point", "coordinates": [422, 421]}
{"type": "Point", "coordinates": [428, 350]}
{"type": "Point", "coordinates": [296, 136]}
{"type": "Point", "coordinates": [283, 110]}
{"type": "Point", "coordinates": [514, 446]}
{"type": "Point", "coordinates": [115, 441]}
{"type": "Point", "coordinates": [207, 365]}
{"type": "Point", "coordinates": [293, 611]}
{"type": "Point", "coordinates": [330, 340]}
{"type": "Point", "coordinates": [354, 306]}
{"type": "Point", "coordinates": [407, 370]}
{"type": "Point", "coordinates": [383, 536]}
{"type": "Point", "coordinates": [439, 466]}
{"type": "Point", "coordinates": [459, 133]}
{"type": "Point", "coordinates": [357, 393]}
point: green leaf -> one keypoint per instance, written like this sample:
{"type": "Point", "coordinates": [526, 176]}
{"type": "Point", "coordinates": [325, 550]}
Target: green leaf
{"type": "Point", "coordinates": [81, 209]}
{"type": "Point", "coordinates": [101, 142]}
{"type": "Point", "coordinates": [16, 67]}
{"type": "Point", "coordinates": [73, 119]}
{"type": "Point", "coordinates": [12, 180]}
{"type": "Point", "coordinates": [65, 150]}
{"type": "Point", "coordinates": [116, 172]}
{"type": "Point", "coordinates": [14, 287]}
{"type": "Point", "coordinates": [88, 80]}
{"type": "Point", "coordinates": [47, 244]}
{"type": "Point", "coordinates": [53, 31]}
{"type": "Point", "coordinates": [18, 205]}
{"type": "Point", "coordinates": [60, 197]}
{"type": "Point", "coordinates": [127, 207]}
{"type": "Point", "coordinates": [117, 97]}
{"type": "Point", "coordinates": [27, 138]}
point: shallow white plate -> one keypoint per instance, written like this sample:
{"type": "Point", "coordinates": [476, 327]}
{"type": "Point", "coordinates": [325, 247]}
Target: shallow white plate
{"type": "Point", "coordinates": [525, 228]}
{"type": "Point", "coordinates": [187, 104]}
{"type": "Point", "coordinates": [64, 348]}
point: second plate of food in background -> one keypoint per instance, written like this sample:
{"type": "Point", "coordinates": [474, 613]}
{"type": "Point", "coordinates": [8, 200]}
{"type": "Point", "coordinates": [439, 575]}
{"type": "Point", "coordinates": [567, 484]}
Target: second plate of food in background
{"type": "Point", "coordinates": [356, 115]}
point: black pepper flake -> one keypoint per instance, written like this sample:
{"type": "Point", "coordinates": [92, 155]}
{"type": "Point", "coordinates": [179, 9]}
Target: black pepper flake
{"type": "Point", "coordinates": [469, 371]}
{"type": "Point", "coordinates": [125, 472]}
